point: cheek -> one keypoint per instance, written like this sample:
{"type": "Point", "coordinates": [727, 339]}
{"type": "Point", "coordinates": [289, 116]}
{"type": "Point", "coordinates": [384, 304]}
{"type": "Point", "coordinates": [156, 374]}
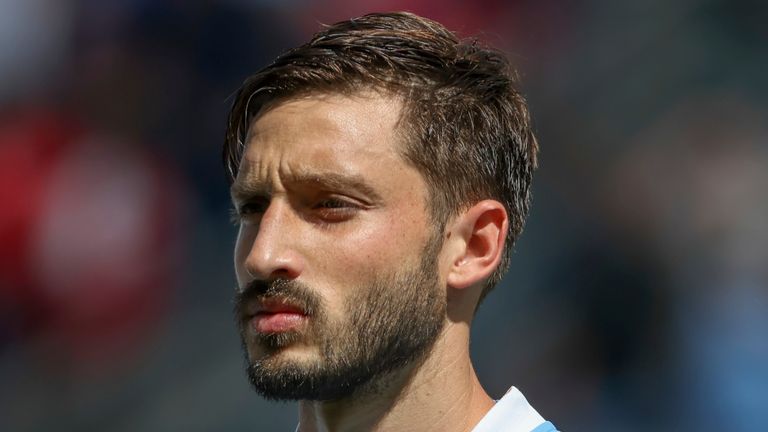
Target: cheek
{"type": "Point", "coordinates": [380, 246]}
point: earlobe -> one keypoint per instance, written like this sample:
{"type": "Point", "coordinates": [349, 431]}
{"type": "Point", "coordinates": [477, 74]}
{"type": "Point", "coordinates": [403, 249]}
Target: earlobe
{"type": "Point", "coordinates": [482, 231]}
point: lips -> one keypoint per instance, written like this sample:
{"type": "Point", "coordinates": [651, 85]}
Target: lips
{"type": "Point", "coordinates": [274, 315]}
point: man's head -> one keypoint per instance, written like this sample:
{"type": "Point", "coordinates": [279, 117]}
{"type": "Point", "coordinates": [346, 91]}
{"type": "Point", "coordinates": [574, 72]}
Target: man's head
{"type": "Point", "coordinates": [351, 159]}
{"type": "Point", "coordinates": [464, 126]}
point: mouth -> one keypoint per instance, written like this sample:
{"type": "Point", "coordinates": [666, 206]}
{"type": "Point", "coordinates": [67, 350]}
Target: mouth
{"type": "Point", "coordinates": [274, 315]}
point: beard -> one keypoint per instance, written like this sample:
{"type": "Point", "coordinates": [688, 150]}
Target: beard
{"type": "Point", "coordinates": [390, 324]}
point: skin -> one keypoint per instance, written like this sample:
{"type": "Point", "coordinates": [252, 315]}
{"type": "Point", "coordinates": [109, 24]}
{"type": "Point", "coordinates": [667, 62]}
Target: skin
{"type": "Point", "coordinates": [325, 198]}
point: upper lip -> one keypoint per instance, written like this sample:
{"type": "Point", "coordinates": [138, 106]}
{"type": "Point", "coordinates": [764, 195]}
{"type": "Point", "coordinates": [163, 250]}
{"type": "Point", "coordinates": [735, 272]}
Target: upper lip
{"type": "Point", "coordinates": [272, 305]}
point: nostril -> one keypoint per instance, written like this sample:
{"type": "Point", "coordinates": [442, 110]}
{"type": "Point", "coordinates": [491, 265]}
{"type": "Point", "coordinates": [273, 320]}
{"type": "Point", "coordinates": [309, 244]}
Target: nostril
{"type": "Point", "coordinates": [288, 265]}
{"type": "Point", "coordinates": [282, 274]}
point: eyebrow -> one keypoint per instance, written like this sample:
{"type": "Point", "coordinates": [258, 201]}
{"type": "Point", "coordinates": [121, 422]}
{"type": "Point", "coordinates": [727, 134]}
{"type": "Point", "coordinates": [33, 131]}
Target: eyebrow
{"type": "Point", "coordinates": [332, 181]}
{"type": "Point", "coordinates": [245, 191]}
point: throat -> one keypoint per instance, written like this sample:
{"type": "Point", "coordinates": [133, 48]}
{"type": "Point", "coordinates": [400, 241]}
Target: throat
{"type": "Point", "coordinates": [365, 410]}
{"type": "Point", "coordinates": [417, 398]}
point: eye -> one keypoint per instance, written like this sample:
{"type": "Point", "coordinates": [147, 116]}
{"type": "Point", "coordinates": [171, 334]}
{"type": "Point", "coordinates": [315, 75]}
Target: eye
{"type": "Point", "coordinates": [248, 210]}
{"type": "Point", "coordinates": [335, 209]}
{"type": "Point", "coordinates": [334, 203]}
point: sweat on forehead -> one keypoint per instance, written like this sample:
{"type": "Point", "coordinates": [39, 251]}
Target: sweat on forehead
{"type": "Point", "coordinates": [328, 142]}
{"type": "Point", "coordinates": [328, 128]}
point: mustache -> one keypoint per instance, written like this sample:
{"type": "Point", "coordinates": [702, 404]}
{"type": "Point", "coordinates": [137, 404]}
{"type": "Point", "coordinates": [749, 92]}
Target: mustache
{"type": "Point", "coordinates": [290, 291]}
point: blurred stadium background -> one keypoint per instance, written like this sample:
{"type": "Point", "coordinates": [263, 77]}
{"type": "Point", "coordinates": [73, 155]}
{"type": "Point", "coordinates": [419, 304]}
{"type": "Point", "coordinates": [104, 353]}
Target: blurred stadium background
{"type": "Point", "coordinates": [637, 298]}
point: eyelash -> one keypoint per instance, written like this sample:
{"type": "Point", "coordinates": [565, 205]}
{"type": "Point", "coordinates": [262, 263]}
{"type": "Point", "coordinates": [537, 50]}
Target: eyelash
{"type": "Point", "coordinates": [334, 210]}
{"type": "Point", "coordinates": [331, 208]}
{"type": "Point", "coordinates": [334, 203]}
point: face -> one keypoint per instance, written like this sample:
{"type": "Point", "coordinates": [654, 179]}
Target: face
{"type": "Point", "coordinates": [336, 257]}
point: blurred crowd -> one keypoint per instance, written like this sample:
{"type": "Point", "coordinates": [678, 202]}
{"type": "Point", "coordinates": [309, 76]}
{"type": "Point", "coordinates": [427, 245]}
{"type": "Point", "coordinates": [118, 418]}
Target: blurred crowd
{"type": "Point", "coordinates": [637, 299]}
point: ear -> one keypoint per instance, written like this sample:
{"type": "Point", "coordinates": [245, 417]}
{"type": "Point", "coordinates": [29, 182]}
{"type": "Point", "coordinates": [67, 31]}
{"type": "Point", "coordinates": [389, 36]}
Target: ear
{"type": "Point", "coordinates": [478, 240]}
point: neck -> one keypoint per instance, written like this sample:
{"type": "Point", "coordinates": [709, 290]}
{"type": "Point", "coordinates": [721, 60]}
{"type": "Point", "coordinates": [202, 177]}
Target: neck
{"type": "Point", "coordinates": [439, 393]}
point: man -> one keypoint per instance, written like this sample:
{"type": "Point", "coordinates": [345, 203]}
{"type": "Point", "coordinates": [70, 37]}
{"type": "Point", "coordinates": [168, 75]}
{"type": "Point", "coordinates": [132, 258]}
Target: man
{"type": "Point", "coordinates": [380, 174]}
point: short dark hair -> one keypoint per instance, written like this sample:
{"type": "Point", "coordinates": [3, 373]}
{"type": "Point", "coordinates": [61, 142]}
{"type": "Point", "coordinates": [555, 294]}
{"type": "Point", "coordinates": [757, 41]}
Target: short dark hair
{"type": "Point", "coordinates": [465, 125]}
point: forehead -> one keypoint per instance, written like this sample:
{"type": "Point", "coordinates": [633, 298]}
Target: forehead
{"type": "Point", "coordinates": [346, 135]}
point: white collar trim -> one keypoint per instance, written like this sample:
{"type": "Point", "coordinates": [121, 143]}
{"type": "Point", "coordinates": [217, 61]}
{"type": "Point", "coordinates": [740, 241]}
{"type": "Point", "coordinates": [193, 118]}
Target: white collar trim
{"type": "Point", "coordinates": [512, 413]}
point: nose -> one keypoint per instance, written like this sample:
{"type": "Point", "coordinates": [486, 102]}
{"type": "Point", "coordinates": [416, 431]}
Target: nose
{"type": "Point", "coordinates": [268, 250]}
